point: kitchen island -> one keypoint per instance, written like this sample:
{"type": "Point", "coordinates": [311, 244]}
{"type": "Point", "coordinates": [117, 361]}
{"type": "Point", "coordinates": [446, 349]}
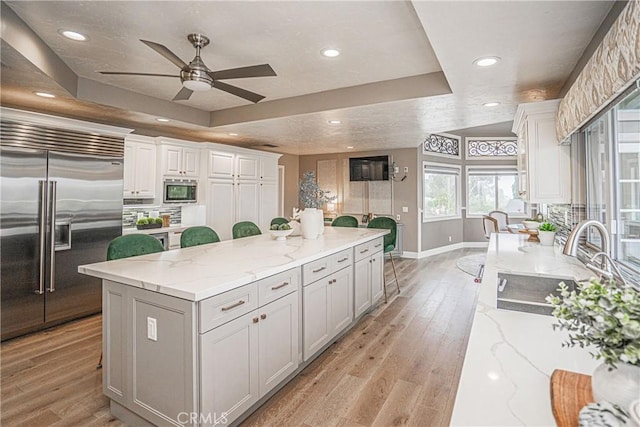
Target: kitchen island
{"type": "Point", "coordinates": [511, 354]}
{"type": "Point", "coordinates": [203, 335]}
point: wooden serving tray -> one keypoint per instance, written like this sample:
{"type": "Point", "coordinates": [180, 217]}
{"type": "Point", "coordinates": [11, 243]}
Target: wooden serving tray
{"type": "Point", "coordinates": [570, 392]}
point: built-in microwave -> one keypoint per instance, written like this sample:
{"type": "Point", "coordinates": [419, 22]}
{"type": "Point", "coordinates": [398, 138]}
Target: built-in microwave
{"type": "Point", "coordinates": [180, 191]}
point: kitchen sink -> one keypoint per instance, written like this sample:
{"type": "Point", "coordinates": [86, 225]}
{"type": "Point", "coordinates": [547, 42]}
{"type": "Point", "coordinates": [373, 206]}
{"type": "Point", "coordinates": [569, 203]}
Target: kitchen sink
{"type": "Point", "coordinates": [527, 293]}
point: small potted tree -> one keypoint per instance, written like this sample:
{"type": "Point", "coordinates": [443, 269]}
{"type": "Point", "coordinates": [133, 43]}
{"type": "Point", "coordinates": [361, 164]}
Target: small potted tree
{"type": "Point", "coordinates": [547, 233]}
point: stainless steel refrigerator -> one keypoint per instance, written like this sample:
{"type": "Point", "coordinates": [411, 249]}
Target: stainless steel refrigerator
{"type": "Point", "coordinates": [60, 205]}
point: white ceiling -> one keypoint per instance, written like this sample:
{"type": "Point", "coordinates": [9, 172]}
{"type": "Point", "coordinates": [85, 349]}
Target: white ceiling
{"type": "Point", "coordinates": [371, 87]}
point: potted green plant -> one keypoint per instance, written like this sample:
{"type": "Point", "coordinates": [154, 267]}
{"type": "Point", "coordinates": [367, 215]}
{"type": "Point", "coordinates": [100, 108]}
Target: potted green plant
{"type": "Point", "coordinates": [547, 233]}
{"type": "Point", "coordinates": [146, 223]}
{"type": "Point", "coordinates": [606, 318]}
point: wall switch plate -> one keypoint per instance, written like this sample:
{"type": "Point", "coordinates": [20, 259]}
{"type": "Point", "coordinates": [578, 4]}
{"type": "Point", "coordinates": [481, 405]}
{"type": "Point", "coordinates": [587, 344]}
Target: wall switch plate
{"type": "Point", "coordinates": [152, 329]}
{"type": "Point", "coordinates": [405, 209]}
{"type": "Point", "coordinates": [398, 217]}
{"type": "Point", "coordinates": [406, 169]}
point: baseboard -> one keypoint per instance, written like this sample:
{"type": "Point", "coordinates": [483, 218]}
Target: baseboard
{"type": "Point", "coordinates": [443, 249]}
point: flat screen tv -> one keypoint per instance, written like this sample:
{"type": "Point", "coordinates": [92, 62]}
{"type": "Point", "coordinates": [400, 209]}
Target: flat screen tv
{"type": "Point", "coordinates": [375, 168]}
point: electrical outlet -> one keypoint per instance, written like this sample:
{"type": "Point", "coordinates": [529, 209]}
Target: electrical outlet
{"type": "Point", "coordinates": [152, 329]}
{"type": "Point", "coordinates": [405, 209]}
{"type": "Point", "coordinates": [406, 169]}
{"type": "Point", "coordinates": [449, 238]}
{"type": "Point", "coordinates": [398, 217]}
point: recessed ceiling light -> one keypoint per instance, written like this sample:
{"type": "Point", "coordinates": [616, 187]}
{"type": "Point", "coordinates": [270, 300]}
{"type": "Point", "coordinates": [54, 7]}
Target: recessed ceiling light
{"type": "Point", "coordinates": [334, 122]}
{"type": "Point", "coordinates": [45, 94]}
{"type": "Point", "coordinates": [72, 35]}
{"type": "Point", "coordinates": [233, 134]}
{"type": "Point", "coordinates": [161, 119]}
{"type": "Point", "coordinates": [486, 61]}
{"type": "Point", "coordinates": [349, 146]}
{"type": "Point", "coordinates": [330, 53]}
{"type": "Point", "coordinates": [491, 104]}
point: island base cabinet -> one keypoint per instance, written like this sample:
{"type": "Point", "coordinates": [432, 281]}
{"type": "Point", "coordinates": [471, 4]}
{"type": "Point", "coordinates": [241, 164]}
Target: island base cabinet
{"type": "Point", "coordinates": [368, 282]}
{"type": "Point", "coordinates": [327, 310]}
{"type": "Point", "coordinates": [150, 370]}
{"type": "Point", "coordinates": [244, 359]}
{"type": "Point", "coordinates": [377, 276]}
{"type": "Point", "coordinates": [229, 370]}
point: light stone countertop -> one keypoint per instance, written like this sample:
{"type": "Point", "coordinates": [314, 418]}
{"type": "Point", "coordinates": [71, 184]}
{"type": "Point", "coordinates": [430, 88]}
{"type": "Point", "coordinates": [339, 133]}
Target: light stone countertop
{"type": "Point", "coordinates": [505, 379]}
{"type": "Point", "coordinates": [201, 272]}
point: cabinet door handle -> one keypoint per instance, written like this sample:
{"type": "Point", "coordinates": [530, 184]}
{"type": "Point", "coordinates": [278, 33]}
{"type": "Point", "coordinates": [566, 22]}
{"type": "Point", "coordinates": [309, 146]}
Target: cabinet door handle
{"type": "Point", "coordinates": [366, 250]}
{"type": "Point", "coordinates": [343, 259]}
{"type": "Point", "coordinates": [239, 303]}
{"type": "Point", "coordinates": [263, 316]}
{"type": "Point", "coordinates": [281, 285]}
{"type": "Point", "coordinates": [319, 269]}
{"type": "Point", "coordinates": [255, 320]}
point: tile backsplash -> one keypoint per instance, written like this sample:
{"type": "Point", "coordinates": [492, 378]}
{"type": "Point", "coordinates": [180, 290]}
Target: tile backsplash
{"type": "Point", "coordinates": [565, 217]}
{"type": "Point", "coordinates": [130, 213]}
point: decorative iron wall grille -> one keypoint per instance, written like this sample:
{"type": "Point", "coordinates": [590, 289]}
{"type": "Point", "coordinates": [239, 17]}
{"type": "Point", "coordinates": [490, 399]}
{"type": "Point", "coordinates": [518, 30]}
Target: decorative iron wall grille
{"type": "Point", "coordinates": [492, 147]}
{"type": "Point", "coordinates": [441, 144]}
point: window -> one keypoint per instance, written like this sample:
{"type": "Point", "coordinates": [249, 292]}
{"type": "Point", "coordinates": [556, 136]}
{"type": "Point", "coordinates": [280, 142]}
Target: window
{"type": "Point", "coordinates": [493, 188]}
{"type": "Point", "coordinates": [441, 192]}
{"type": "Point", "coordinates": [613, 179]}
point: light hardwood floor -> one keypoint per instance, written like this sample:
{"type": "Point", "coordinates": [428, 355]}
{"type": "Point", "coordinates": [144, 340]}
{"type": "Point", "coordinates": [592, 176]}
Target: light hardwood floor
{"type": "Point", "coordinates": [399, 365]}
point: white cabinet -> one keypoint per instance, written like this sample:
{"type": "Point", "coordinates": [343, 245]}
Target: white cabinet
{"type": "Point", "coordinates": [244, 359]}
{"type": "Point", "coordinates": [544, 166]}
{"type": "Point", "coordinates": [177, 160]}
{"type": "Point", "coordinates": [246, 193]}
{"type": "Point", "coordinates": [139, 175]}
{"type": "Point", "coordinates": [327, 300]}
{"type": "Point", "coordinates": [368, 273]}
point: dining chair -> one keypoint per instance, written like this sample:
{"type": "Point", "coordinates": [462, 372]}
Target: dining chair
{"type": "Point", "coordinates": [129, 246]}
{"type": "Point", "coordinates": [345, 221]}
{"type": "Point", "coordinates": [389, 244]}
{"type": "Point", "coordinates": [245, 229]}
{"type": "Point", "coordinates": [279, 221]}
{"type": "Point", "coordinates": [502, 218]}
{"type": "Point", "coordinates": [490, 225]}
{"type": "Point", "coordinates": [200, 235]}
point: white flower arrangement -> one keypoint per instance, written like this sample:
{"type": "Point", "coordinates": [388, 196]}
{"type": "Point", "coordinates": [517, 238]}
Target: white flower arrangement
{"type": "Point", "coordinates": [311, 195]}
{"type": "Point", "coordinates": [603, 315]}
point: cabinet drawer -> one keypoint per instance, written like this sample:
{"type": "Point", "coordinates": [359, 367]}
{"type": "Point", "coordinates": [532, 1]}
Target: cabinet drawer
{"type": "Point", "coordinates": [278, 285]}
{"type": "Point", "coordinates": [317, 269]}
{"type": "Point", "coordinates": [342, 259]}
{"type": "Point", "coordinates": [220, 309]}
{"type": "Point", "coordinates": [376, 245]}
{"type": "Point", "coordinates": [362, 251]}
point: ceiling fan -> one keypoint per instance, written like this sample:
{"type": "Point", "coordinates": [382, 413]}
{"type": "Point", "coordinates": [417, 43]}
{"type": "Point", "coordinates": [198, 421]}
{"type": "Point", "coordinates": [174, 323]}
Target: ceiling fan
{"type": "Point", "coordinates": [196, 77]}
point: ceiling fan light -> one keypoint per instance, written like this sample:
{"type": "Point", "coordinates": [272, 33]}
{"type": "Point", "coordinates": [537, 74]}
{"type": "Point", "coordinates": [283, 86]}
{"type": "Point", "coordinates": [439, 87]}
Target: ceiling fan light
{"type": "Point", "coordinates": [196, 86]}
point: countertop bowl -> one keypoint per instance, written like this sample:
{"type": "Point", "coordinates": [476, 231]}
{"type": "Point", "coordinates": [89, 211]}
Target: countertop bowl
{"type": "Point", "coordinates": [280, 234]}
{"type": "Point", "coordinates": [531, 225]}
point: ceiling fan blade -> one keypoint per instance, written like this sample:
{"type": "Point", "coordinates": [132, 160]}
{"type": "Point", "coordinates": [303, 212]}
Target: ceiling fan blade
{"type": "Point", "coordinates": [242, 93]}
{"type": "Point", "coordinates": [183, 95]}
{"type": "Point", "coordinates": [164, 51]}
{"type": "Point", "coordinates": [263, 70]}
{"type": "Point", "coordinates": [118, 73]}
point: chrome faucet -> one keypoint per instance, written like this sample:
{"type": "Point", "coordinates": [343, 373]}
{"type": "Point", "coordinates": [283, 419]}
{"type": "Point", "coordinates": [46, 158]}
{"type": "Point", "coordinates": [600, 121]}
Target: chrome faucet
{"type": "Point", "coordinates": [571, 247]}
{"type": "Point", "coordinates": [609, 271]}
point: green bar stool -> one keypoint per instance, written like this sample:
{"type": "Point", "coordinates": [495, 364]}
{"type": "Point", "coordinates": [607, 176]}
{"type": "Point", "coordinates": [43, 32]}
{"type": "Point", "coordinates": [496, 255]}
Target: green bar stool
{"type": "Point", "coordinates": [389, 245]}
{"type": "Point", "coordinates": [133, 245]}
{"type": "Point", "coordinates": [129, 246]}
{"type": "Point", "coordinates": [345, 221]}
{"type": "Point", "coordinates": [279, 221]}
{"type": "Point", "coordinates": [195, 236]}
{"type": "Point", "coordinates": [245, 229]}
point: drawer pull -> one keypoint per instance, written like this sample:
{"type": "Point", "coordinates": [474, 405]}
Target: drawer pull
{"type": "Point", "coordinates": [343, 259]}
{"type": "Point", "coordinates": [319, 269]}
{"type": "Point", "coordinates": [282, 285]}
{"type": "Point", "coordinates": [239, 303]}
{"type": "Point", "coordinates": [378, 245]}
{"type": "Point", "coordinates": [366, 250]}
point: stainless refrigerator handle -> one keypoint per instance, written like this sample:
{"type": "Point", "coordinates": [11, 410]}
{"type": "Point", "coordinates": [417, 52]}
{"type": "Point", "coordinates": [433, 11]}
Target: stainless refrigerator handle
{"type": "Point", "coordinates": [52, 248]}
{"type": "Point", "coordinates": [43, 234]}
